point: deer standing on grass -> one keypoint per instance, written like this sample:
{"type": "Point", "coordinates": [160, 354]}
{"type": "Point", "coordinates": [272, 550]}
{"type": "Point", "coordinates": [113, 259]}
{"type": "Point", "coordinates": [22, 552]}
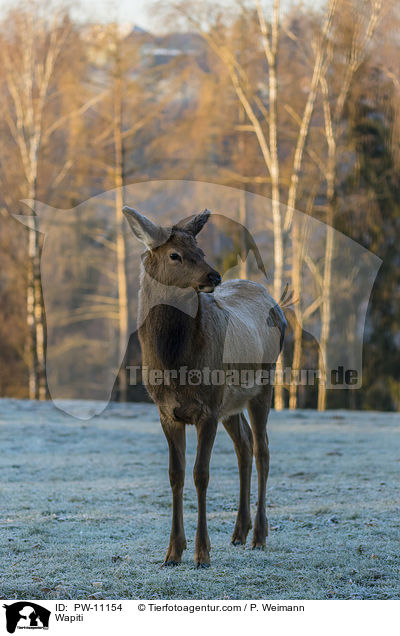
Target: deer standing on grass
{"type": "Point", "coordinates": [189, 320]}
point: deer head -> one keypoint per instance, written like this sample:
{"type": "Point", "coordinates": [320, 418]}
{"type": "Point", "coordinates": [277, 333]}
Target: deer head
{"type": "Point", "coordinates": [173, 257]}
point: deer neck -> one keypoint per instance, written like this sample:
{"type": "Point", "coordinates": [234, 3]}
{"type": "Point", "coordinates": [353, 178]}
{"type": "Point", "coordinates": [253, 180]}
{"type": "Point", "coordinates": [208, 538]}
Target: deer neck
{"type": "Point", "coordinates": [168, 320]}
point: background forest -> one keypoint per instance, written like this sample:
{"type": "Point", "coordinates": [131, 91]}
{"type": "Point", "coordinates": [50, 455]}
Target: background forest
{"type": "Point", "coordinates": [298, 104]}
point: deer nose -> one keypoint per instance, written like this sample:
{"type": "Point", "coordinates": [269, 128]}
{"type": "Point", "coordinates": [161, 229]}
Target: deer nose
{"type": "Point", "coordinates": [214, 278]}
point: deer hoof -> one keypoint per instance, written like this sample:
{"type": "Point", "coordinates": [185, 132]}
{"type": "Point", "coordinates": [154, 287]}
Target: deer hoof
{"type": "Point", "coordinates": [170, 563]}
{"type": "Point", "coordinates": [240, 533]}
{"type": "Point", "coordinates": [202, 559]}
{"type": "Point", "coordinates": [203, 565]}
{"type": "Point", "coordinates": [258, 545]}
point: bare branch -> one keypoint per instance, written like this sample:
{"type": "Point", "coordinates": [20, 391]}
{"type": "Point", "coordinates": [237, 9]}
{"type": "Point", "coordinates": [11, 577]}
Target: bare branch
{"type": "Point", "coordinates": [308, 110]}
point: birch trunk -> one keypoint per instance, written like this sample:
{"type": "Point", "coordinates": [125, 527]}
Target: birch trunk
{"type": "Point", "coordinates": [332, 123]}
{"type": "Point", "coordinates": [31, 351]}
{"type": "Point", "coordinates": [325, 310]}
{"type": "Point", "coordinates": [40, 331]}
{"type": "Point", "coordinates": [243, 269]}
{"type": "Point", "coordinates": [290, 220]}
{"type": "Point", "coordinates": [28, 69]}
{"type": "Point", "coordinates": [243, 273]}
{"type": "Point", "coordinates": [329, 247]}
{"type": "Point", "coordinates": [120, 240]}
{"type": "Point", "coordinates": [37, 385]}
{"type": "Point", "coordinates": [298, 326]}
{"type": "Point", "coordinates": [271, 54]}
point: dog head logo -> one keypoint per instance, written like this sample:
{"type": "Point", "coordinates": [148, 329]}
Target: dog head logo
{"type": "Point", "coordinates": [26, 615]}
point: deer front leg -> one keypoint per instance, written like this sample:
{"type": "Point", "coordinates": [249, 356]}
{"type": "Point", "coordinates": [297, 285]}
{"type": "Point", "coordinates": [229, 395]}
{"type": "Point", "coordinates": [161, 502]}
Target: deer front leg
{"type": "Point", "coordinates": [175, 434]}
{"type": "Point", "coordinates": [206, 431]}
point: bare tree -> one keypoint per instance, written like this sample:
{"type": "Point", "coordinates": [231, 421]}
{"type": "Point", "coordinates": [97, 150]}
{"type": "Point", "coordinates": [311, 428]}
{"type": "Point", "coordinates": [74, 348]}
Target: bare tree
{"type": "Point", "coordinates": [117, 93]}
{"type": "Point", "coordinates": [332, 127]}
{"type": "Point", "coordinates": [290, 220]}
{"type": "Point", "coordinates": [127, 108]}
{"type": "Point", "coordinates": [261, 118]}
{"type": "Point", "coordinates": [29, 53]}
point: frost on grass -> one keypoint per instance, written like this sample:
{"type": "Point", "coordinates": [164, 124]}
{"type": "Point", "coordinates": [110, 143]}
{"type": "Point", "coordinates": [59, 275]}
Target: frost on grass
{"type": "Point", "coordinates": [85, 508]}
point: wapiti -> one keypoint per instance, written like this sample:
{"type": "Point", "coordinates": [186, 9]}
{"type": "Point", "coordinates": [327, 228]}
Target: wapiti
{"type": "Point", "coordinates": [189, 320]}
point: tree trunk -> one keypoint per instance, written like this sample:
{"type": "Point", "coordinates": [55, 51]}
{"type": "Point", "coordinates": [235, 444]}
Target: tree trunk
{"type": "Point", "coordinates": [297, 260]}
{"type": "Point", "coordinates": [271, 54]}
{"type": "Point", "coordinates": [120, 240]}
{"type": "Point", "coordinates": [298, 325]}
{"type": "Point", "coordinates": [331, 124]}
{"type": "Point", "coordinates": [329, 247]}
{"type": "Point", "coordinates": [40, 325]}
{"type": "Point", "coordinates": [37, 384]}
{"type": "Point", "coordinates": [31, 351]}
{"type": "Point", "coordinates": [325, 311]}
{"type": "Point", "coordinates": [243, 248]}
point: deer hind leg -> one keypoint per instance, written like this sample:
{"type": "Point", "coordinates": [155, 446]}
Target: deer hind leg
{"type": "Point", "coordinates": [206, 431]}
{"type": "Point", "coordinates": [258, 409]}
{"type": "Point", "coordinates": [176, 438]}
{"type": "Point", "coordinates": [240, 433]}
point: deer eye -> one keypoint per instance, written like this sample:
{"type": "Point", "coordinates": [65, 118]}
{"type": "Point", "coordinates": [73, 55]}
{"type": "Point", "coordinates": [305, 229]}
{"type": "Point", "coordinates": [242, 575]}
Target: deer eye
{"type": "Point", "coordinates": [174, 256]}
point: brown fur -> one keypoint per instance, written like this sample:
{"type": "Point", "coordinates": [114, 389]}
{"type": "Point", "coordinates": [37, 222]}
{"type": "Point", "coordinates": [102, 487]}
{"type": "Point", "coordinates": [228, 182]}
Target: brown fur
{"type": "Point", "coordinates": [217, 330]}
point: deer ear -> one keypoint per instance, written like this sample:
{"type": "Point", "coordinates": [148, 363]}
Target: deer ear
{"type": "Point", "coordinates": [146, 231]}
{"type": "Point", "coordinates": [196, 223]}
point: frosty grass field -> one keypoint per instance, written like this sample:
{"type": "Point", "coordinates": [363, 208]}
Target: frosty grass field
{"type": "Point", "coordinates": [85, 508]}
